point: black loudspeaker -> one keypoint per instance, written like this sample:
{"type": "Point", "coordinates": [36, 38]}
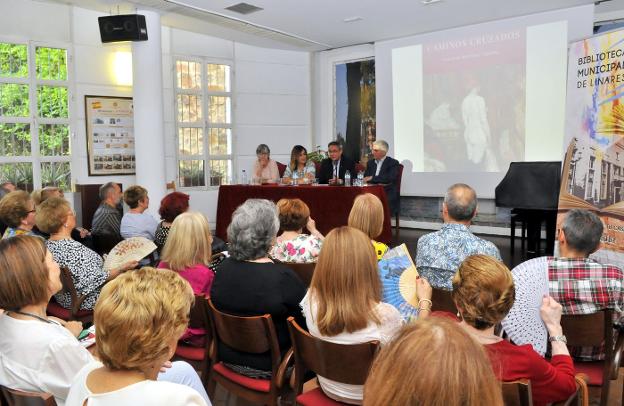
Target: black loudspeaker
{"type": "Point", "coordinates": [123, 27]}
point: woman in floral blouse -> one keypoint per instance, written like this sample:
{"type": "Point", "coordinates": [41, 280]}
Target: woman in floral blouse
{"type": "Point", "coordinates": [292, 245]}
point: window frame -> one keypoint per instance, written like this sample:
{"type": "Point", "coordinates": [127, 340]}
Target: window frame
{"type": "Point", "coordinates": [204, 123]}
{"type": "Point", "coordinates": [36, 159]}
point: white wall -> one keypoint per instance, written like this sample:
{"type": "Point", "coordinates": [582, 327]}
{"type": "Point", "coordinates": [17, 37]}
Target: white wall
{"type": "Point", "coordinates": [272, 95]}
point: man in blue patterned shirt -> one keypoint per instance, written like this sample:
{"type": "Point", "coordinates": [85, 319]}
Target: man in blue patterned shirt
{"type": "Point", "coordinates": [440, 253]}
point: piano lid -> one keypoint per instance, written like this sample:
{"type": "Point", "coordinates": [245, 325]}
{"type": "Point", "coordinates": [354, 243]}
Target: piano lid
{"type": "Point", "coordinates": [530, 185]}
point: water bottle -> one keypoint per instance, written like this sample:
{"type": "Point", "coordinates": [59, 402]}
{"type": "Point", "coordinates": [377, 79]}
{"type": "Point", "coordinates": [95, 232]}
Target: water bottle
{"type": "Point", "coordinates": [347, 178]}
{"type": "Point", "coordinates": [360, 178]}
{"type": "Point", "coordinates": [295, 176]}
{"type": "Point", "coordinates": [244, 177]}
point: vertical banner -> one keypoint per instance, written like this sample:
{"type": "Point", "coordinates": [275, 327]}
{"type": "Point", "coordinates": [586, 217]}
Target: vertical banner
{"type": "Point", "coordinates": [593, 169]}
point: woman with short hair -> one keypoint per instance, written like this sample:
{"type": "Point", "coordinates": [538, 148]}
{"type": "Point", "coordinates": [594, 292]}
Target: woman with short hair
{"type": "Point", "coordinates": [299, 165]}
{"type": "Point", "coordinates": [367, 215]}
{"type": "Point", "coordinates": [135, 334]}
{"type": "Point", "coordinates": [483, 291]}
{"type": "Point", "coordinates": [432, 362]}
{"type": "Point", "coordinates": [17, 211]}
{"type": "Point", "coordinates": [136, 222]}
{"type": "Point", "coordinates": [292, 245]}
{"type": "Point", "coordinates": [265, 168]}
{"type": "Point", "coordinates": [343, 304]}
{"type": "Point", "coordinates": [56, 218]}
{"type": "Point", "coordinates": [188, 253]}
{"type": "Point", "coordinates": [171, 206]}
{"type": "Point", "coordinates": [248, 283]}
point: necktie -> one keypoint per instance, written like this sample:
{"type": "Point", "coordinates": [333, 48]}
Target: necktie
{"type": "Point", "coordinates": [335, 169]}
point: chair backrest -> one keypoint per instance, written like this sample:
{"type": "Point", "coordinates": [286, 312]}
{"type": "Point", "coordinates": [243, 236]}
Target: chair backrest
{"type": "Point", "coordinates": [517, 393]}
{"type": "Point", "coordinates": [360, 167]}
{"type": "Point", "coordinates": [317, 166]}
{"type": "Point", "coordinates": [398, 178]}
{"type": "Point", "coordinates": [589, 329]}
{"type": "Point", "coordinates": [251, 334]}
{"type": "Point", "coordinates": [443, 301]}
{"type": "Point", "coordinates": [15, 397]}
{"type": "Point", "coordinates": [198, 317]}
{"type": "Point", "coordinates": [281, 168]}
{"type": "Point", "coordinates": [69, 287]}
{"type": "Point", "coordinates": [303, 271]}
{"type": "Point", "coordinates": [345, 363]}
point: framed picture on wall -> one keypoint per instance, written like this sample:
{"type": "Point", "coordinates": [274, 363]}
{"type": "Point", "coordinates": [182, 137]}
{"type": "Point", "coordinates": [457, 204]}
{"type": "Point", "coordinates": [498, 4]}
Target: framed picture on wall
{"type": "Point", "coordinates": [110, 135]}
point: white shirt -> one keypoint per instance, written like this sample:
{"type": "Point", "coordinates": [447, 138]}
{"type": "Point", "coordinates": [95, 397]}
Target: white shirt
{"type": "Point", "coordinates": [138, 225]}
{"type": "Point", "coordinates": [379, 163]}
{"type": "Point", "coordinates": [39, 357]}
{"type": "Point", "coordinates": [391, 322]}
{"type": "Point", "coordinates": [153, 393]}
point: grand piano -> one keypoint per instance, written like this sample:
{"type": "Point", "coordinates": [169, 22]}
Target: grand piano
{"type": "Point", "coordinates": [531, 190]}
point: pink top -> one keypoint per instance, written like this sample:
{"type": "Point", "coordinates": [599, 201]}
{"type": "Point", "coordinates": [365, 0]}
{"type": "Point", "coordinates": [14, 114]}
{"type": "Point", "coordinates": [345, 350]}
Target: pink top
{"type": "Point", "coordinates": [200, 277]}
{"type": "Point", "coordinates": [269, 172]}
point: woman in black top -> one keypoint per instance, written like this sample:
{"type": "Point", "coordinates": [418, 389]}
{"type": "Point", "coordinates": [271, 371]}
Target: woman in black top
{"type": "Point", "coordinates": [248, 283]}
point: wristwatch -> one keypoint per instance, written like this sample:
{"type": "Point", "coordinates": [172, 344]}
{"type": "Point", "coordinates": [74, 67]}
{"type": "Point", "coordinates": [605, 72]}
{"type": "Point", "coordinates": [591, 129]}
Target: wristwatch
{"type": "Point", "coordinates": [561, 338]}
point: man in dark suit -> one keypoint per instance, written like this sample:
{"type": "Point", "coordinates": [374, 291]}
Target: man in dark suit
{"type": "Point", "coordinates": [333, 169]}
{"type": "Point", "coordinates": [384, 169]}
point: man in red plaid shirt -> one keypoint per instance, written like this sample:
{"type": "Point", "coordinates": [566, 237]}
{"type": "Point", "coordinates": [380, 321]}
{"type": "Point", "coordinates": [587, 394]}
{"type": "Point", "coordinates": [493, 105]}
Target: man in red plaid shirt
{"type": "Point", "coordinates": [581, 285]}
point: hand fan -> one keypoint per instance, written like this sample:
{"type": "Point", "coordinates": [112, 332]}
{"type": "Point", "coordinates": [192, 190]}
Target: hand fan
{"type": "Point", "coordinates": [398, 278]}
{"type": "Point", "coordinates": [131, 249]}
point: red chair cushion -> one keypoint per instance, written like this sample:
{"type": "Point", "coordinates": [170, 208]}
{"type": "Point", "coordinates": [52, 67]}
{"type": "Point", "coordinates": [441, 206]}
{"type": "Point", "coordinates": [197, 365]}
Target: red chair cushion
{"type": "Point", "coordinates": [260, 385]}
{"type": "Point", "coordinates": [316, 397]}
{"type": "Point", "coordinates": [593, 370]}
{"type": "Point", "coordinates": [56, 310]}
{"type": "Point", "coordinates": [189, 352]}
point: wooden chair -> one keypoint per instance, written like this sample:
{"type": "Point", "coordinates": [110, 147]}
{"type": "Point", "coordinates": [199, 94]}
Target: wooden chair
{"type": "Point", "coordinates": [581, 396]}
{"type": "Point", "coordinates": [13, 397]}
{"type": "Point", "coordinates": [442, 300]}
{"type": "Point", "coordinates": [398, 186]}
{"type": "Point", "coordinates": [359, 167]}
{"type": "Point", "coordinates": [56, 310]}
{"type": "Point", "coordinates": [517, 393]}
{"type": "Point", "coordinates": [594, 330]}
{"type": "Point", "coordinates": [303, 271]}
{"type": "Point", "coordinates": [281, 168]}
{"type": "Point", "coordinates": [339, 362]}
{"type": "Point", "coordinates": [255, 335]}
{"type": "Point", "coordinates": [198, 357]}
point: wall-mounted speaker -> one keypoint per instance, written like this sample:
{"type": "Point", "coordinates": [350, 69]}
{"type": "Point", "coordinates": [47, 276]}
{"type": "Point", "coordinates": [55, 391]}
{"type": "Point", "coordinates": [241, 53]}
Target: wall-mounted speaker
{"type": "Point", "coordinates": [123, 27]}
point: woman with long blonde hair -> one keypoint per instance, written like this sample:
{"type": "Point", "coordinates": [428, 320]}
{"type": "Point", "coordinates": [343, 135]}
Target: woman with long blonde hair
{"type": "Point", "coordinates": [367, 215]}
{"type": "Point", "coordinates": [432, 362]}
{"type": "Point", "coordinates": [188, 252]}
{"type": "Point", "coordinates": [343, 304]}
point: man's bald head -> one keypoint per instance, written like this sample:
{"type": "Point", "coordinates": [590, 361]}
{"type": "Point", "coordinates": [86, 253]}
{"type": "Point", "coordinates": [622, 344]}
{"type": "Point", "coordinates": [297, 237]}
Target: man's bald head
{"type": "Point", "coordinates": [461, 202]}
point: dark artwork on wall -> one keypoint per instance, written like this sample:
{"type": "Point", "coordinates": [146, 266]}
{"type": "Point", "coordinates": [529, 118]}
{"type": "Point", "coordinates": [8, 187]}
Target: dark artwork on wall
{"type": "Point", "coordinates": [355, 117]}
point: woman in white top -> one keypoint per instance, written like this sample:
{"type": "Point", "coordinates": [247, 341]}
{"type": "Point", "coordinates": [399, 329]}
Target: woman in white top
{"type": "Point", "coordinates": [299, 165]}
{"type": "Point", "coordinates": [292, 245]}
{"type": "Point", "coordinates": [139, 318]}
{"type": "Point", "coordinates": [343, 304]}
{"type": "Point", "coordinates": [136, 222]}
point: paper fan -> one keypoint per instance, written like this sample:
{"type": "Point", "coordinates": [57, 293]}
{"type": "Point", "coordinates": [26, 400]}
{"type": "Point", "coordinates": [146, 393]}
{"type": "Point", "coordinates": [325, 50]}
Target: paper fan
{"type": "Point", "coordinates": [131, 249]}
{"type": "Point", "coordinates": [398, 278]}
{"type": "Point", "coordinates": [524, 324]}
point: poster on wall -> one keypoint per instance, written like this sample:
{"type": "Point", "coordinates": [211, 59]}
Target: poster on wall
{"type": "Point", "coordinates": [110, 135]}
{"type": "Point", "coordinates": [354, 115]}
{"type": "Point", "coordinates": [593, 170]}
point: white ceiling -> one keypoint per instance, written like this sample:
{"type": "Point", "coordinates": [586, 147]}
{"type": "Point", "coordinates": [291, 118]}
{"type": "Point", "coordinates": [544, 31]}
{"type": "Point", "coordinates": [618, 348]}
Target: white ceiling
{"type": "Point", "coordinates": [318, 24]}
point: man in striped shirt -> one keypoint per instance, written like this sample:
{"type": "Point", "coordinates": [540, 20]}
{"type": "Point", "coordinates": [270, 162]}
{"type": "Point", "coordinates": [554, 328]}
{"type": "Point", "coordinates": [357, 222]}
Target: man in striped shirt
{"type": "Point", "coordinates": [107, 217]}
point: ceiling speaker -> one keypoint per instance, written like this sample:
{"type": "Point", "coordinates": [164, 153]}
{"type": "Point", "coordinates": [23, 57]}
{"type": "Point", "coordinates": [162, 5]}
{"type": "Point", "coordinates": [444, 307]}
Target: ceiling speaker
{"type": "Point", "coordinates": [123, 27]}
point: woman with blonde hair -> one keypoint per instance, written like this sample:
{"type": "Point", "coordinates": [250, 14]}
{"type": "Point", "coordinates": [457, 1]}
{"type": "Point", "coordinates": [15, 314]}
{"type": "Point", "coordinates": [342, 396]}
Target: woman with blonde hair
{"type": "Point", "coordinates": [300, 166]}
{"type": "Point", "coordinates": [136, 334]}
{"type": "Point", "coordinates": [483, 291]}
{"type": "Point", "coordinates": [343, 304]}
{"type": "Point", "coordinates": [367, 215]}
{"type": "Point", "coordinates": [292, 245]}
{"type": "Point", "coordinates": [432, 362]}
{"type": "Point", "coordinates": [188, 252]}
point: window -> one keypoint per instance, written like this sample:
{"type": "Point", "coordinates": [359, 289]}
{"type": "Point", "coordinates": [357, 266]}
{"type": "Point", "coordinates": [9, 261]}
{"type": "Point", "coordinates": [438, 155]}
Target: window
{"type": "Point", "coordinates": [203, 122]}
{"type": "Point", "coordinates": [34, 116]}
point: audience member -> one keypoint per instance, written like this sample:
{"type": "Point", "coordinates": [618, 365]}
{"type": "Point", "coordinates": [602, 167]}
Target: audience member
{"type": "Point", "coordinates": [333, 169]}
{"type": "Point", "coordinates": [440, 253]}
{"type": "Point", "coordinates": [107, 218]}
{"type": "Point", "coordinates": [292, 245]}
{"type": "Point", "coordinates": [385, 170]}
{"type": "Point", "coordinates": [136, 222]}
{"type": "Point", "coordinates": [17, 211]}
{"type": "Point", "coordinates": [41, 195]}
{"type": "Point", "coordinates": [483, 291]}
{"type": "Point", "coordinates": [367, 215]}
{"type": "Point", "coordinates": [265, 169]}
{"type": "Point", "coordinates": [432, 362]}
{"type": "Point", "coordinates": [187, 252]}
{"type": "Point", "coordinates": [248, 283]}
{"type": "Point", "coordinates": [300, 166]}
{"type": "Point", "coordinates": [56, 218]}
{"type": "Point", "coordinates": [343, 304]}
{"type": "Point", "coordinates": [137, 333]}
{"type": "Point", "coordinates": [580, 284]}
{"type": "Point", "coordinates": [6, 188]}
{"type": "Point", "coordinates": [171, 206]}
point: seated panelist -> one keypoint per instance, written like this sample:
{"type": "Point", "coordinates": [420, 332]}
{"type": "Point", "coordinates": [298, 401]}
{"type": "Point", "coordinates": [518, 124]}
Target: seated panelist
{"type": "Point", "coordinates": [333, 169]}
